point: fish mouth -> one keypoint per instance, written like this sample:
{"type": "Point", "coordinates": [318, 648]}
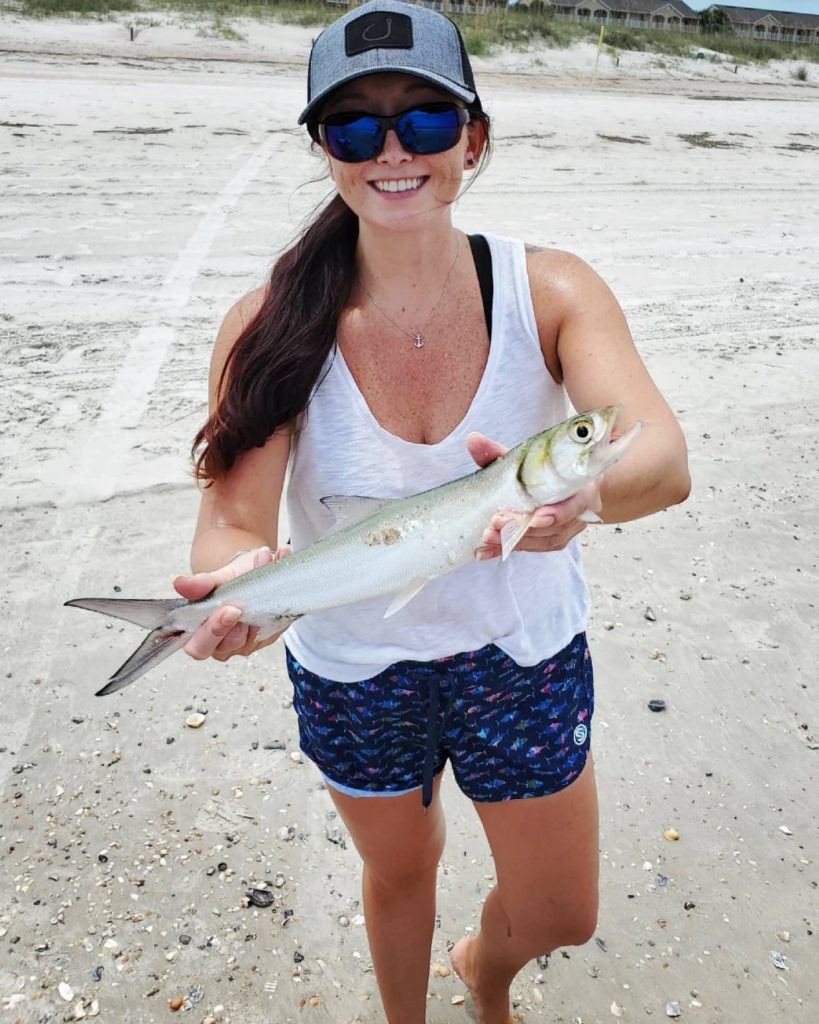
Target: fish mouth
{"type": "Point", "coordinates": [606, 452]}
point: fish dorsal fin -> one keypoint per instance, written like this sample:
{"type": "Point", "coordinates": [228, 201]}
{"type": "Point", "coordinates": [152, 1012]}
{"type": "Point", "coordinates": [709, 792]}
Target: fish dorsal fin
{"type": "Point", "coordinates": [348, 509]}
{"type": "Point", "coordinates": [406, 595]}
{"type": "Point", "coordinates": [512, 534]}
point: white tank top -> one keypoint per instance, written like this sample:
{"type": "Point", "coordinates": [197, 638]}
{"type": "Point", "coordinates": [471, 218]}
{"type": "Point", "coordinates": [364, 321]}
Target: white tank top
{"type": "Point", "coordinates": [531, 605]}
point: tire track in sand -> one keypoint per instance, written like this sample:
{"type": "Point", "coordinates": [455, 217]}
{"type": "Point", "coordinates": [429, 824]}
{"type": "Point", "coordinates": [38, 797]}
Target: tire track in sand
{"type": "Point", "coordinates": [102, 460]}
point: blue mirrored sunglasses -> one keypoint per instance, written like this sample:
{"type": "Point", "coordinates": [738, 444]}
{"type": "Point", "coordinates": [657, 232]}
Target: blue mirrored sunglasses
{"type": "Point", "coordinates": [430, 128]}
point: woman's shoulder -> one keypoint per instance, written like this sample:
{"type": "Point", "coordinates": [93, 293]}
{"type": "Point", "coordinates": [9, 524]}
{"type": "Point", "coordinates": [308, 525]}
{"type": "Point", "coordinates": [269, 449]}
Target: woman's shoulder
{"type": "Point", "coordinates": [546, 267]}
{"type": "Point", "coordinates": [544, 259]}
{"type": "Point", "coordinates": [242, 312]}
{"type": "Point", "coordinates": [564, 290]}
{"type": "Point", "coordinates": [555, 274]}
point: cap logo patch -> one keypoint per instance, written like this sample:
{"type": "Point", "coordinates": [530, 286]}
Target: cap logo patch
{"type": "Point", "coordinates": [378, 30]}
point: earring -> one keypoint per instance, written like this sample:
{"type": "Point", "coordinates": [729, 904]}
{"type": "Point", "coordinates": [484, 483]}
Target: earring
{"type": "Point", "coordinates": [470, 161]}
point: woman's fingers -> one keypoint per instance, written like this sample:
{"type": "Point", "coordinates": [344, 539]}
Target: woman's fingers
{"type": "Point", "coordinates": [263, 556]}
{"type": "Point", "coordinates": [213, 632]}
{"type": "Point", "coordinates": [194, 588]}
{"type": "Point", "coordinates": [223, 635]}
{"type": "Point", "coordinates": [558, 515]}
{"type": "Point", "coordinates": [200, 584]}
{"type": "Point", "coordinates": [551, 527]}
{"type": "Point", "coordinates": [483, 449]}
{"type": "Point", "coordinates": [553, 539]}
{"type": "Point", "coordinates": [239, 641]}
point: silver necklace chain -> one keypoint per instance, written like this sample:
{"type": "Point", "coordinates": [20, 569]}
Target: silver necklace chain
{"type": "Point", "coordinates": [417, 336]}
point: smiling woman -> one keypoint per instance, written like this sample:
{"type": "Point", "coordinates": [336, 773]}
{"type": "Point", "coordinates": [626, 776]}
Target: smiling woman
{"type": "Point", "coordinates": [372, 148]}
{"type": "Point", "coordinates": [384, 340]}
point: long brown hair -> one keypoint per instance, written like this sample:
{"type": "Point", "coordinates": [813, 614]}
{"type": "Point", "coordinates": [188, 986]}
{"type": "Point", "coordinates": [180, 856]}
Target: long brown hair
{"type": "Point", "coordinates": [272, 368]}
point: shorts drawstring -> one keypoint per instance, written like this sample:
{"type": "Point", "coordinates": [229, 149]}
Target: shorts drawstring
{"type": "Point", "coordinates": [434, 699]}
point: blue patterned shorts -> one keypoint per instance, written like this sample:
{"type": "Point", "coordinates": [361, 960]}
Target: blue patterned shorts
{"type": "Point", "coordinates": [510, 731]}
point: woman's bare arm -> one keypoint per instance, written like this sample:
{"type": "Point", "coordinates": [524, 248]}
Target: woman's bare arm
{"type": "Point", "coordinates": [239, 512]}
{"type": "Point", "coordinates": [600, 365]}
{"type": "Point", "coordinates": [587, 347]}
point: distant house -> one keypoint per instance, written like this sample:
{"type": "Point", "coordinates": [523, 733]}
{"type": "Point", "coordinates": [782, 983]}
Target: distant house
{"type": "Point", "coordinates": [672, 15]}
{"type": "Point", "coordinates": [776, 25]}
{"type": "Point", "coordinates": [676, 16]}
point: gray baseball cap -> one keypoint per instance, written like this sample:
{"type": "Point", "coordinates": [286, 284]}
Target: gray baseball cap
{"type": "Point", "coordinates": [386, 35]}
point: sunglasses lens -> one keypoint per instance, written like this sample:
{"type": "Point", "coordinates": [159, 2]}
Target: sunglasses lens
{"type": "Point", "coordinates": [356, 140]}
{"type": "Point", "coordinates": [353, 138]}
{"type": "Point", "coordinates": [431, 129]}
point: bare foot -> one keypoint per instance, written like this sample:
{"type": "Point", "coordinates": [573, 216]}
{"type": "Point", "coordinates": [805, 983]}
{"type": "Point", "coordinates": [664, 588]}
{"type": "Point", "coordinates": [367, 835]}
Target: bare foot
{"type": "Point", "coordinates": [490, 1007]}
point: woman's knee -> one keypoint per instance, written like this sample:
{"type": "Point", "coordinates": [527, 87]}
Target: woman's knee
{"type": "Point", "coordinates": [396, 841]}
{"type": "Point", "coordinates": [554, 927]}
{"type": "Point", "coordinates": [400, 864]}
{"type": "Point", "coordinates": [579, 927]}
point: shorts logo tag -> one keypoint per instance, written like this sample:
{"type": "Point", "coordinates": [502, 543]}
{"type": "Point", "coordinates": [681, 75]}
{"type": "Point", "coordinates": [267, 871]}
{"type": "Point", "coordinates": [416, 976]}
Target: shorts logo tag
{"type": "Point", "coordinates": [580, 734]}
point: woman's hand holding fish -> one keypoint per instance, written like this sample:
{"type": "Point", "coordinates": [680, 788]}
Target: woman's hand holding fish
{"type": "Point", "coordinates": [222, 636]}
{"type": "Point", "coordinates": [553, 526]}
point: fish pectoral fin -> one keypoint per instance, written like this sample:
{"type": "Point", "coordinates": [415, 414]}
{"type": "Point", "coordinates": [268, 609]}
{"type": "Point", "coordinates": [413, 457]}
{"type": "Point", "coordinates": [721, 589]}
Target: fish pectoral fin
{"type": "Point", "coordinates": [348, 509]}
{"type": "Point", "coordinates": [406, 595]}
{"type": "Point", "coordinates": [512, 533]}
{"type": "Point", "coordinates": [273, 627]}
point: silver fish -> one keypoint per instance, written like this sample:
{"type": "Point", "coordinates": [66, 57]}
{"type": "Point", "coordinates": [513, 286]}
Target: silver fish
{"type": "Point", "coordinates": [395, 546]}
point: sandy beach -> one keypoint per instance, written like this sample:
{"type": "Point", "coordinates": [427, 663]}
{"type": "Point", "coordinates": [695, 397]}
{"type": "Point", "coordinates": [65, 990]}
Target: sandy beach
{"type": "Point", "coordinates": [144, 186]}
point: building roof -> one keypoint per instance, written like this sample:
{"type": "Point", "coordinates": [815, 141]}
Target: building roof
{"type": "Point", "coordinates": [632, 6]}
{"type": "Point", "coordinates": [752, 15]}
{"type": "Point", "coordinates": [736, 15]}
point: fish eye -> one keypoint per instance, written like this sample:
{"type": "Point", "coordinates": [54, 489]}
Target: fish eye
{"type": "Point", "coordinates": [581, 431]}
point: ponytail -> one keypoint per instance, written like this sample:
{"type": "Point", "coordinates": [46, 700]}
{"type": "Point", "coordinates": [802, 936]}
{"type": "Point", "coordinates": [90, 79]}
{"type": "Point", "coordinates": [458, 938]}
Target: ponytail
{"type": "Point", "coordinates": [273, 367]}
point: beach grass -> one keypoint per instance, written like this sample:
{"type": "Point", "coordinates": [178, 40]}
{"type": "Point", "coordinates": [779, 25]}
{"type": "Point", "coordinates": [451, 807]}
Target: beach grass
{"type": "Point", "coordinates": [516, 28]}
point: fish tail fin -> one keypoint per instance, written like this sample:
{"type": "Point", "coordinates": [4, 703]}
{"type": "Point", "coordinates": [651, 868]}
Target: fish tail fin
{"type": "Point", "coordinates": [148, 614]}
{"type": "Point", "coordinates": [158, 645]}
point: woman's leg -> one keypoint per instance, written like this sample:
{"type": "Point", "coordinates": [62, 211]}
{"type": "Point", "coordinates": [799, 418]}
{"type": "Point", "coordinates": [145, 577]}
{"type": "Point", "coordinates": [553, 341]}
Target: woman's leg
{"type": "Point", "coordinates": [400, 847]}
{"type": "Point", "coordinates": [546, 861]}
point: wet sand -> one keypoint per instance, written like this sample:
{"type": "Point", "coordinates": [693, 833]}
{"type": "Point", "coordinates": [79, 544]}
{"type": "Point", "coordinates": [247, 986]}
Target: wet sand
{"type": "Point", "coordinates": [145, 186]}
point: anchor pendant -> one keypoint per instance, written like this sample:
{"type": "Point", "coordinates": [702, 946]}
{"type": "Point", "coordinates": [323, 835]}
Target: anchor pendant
{"type": "Point", "coordinates": [419, 341]}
